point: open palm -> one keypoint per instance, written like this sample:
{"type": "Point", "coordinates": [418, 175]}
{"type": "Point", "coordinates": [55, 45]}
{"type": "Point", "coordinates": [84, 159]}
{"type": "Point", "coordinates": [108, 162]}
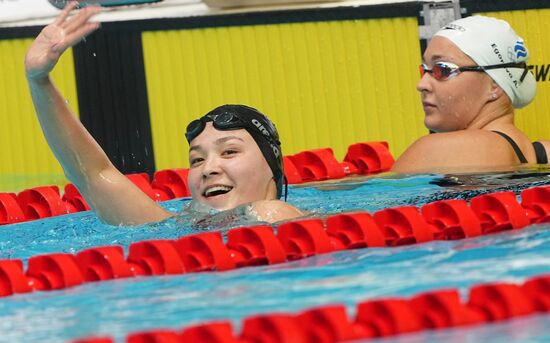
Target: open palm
{"type": "Point", "coordinates": [57, 37]}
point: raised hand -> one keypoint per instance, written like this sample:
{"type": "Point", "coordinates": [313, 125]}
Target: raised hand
{"type": "Point", "coordinates": [57, 37]}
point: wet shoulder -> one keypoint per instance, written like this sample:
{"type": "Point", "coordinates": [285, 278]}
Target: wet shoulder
{"type": "Point", "coordinates": [477, 149]}
{"type": "Point", "coordinates": [272, 211]}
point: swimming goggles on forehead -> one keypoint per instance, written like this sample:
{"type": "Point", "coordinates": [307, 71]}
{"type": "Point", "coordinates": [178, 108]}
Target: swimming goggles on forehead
{"type": "Point", "coordinates": [227, 121]}
{"type": "Point", "coordinates": [443, 71]}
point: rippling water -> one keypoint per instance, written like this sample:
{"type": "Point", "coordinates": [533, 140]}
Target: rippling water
{"type": "Point", "coordinates": [119, 307]}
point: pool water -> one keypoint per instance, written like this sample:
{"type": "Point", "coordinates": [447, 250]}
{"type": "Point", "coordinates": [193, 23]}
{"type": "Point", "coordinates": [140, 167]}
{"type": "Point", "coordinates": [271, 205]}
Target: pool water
{"type": "Point", "coordinates": [119, 307]}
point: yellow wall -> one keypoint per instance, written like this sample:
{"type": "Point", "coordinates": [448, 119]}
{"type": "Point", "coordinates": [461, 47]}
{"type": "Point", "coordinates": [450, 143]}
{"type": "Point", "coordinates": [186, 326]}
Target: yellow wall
{"type": "Point", "coordinates": [25, 158]}
{"type": "Point", "coordinates": [324, 84]}
{"type": "Point", "coordinates": [532, 26]}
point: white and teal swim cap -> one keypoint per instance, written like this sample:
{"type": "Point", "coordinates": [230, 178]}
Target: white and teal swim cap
{"type": "Point", "coordinates": [490, 41]}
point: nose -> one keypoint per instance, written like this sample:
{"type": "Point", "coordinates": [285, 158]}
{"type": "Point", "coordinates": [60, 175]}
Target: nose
{"type": "Point", "coordinates": [424, 84]}
{"type": "Point", "coordinates": [210, 167]}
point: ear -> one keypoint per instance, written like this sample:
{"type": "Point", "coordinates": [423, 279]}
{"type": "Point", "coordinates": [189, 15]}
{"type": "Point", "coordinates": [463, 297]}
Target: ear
{"type": "Point", "coordinates": [495, 92]}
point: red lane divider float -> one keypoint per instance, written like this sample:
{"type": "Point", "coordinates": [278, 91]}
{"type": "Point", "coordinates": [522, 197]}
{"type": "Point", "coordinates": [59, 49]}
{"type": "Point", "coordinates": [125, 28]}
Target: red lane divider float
{"type": "Point", "coordinates": [73, 197]}
{"type": "Point", "coordinates": [317, 165]}
{"type": "Point", "coordinates": [309, 165]}
{"type": "Point", "coordinates": [103, 263]}
{"type": "Point", "coordinates": [205, 252]}
{"type": "Point", "coordinates": [354, 230]}
{"type": "Point", "coordinates": [43, 202]}
{"type": "Point", "coordinates": [221, 331]}
{"type": "Point", "coordinates": [53, 271]}
{"type": "Point", "coordinates": [259, 245]}
{"type": "Point", "coordinates": [537, 202]}
{"type": "Point", "coordinates": [10, 210]}
{"type": "Point", "coordinates": [291, 171]}
{"type": "Point", "coordinates": [12, 278]}
{"type": "Point", "coordinates": [499, 212]}
{"type": "Point", "coordinates": [369, 158]}
{"type": "Point", "coordinates": [171, 183]}
{"type": "Point", "coordinates": [155, 257]}
{"type": "Point", "coordinates": [303, 238]}
{"type": "Point", "coordinates": [438, 309]}
{"type": "Point", "coordinates": [403, 225]}
{"type": "Point", "coordinates": [452, 219]}
{"type": "Point", "coordinates": [250, 246]}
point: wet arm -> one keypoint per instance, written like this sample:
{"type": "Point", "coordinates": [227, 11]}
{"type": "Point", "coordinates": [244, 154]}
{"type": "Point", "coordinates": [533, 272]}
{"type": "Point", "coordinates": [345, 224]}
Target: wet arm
{"type": "Point", "coordinates": [115, 198]}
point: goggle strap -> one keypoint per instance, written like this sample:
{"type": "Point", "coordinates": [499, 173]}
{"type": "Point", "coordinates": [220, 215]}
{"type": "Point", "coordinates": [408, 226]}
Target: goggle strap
{"type": "Point", "coordinates": [285, 181]}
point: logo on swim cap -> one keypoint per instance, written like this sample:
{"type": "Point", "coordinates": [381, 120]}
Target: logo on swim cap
{"type": "Point", "coordinates": [520, 49]}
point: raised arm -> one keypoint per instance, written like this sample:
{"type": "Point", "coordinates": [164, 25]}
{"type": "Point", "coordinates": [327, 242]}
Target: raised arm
{"type": "Point", "coordinates": [115, 199]}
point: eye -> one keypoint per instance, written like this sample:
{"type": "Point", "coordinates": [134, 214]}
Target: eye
{"type": "Point", "coordinates": [228, 152]}
{"type": "Point", "coordinates": [444, 70]}
{"type": "Point", "coordinates": [193, 162]}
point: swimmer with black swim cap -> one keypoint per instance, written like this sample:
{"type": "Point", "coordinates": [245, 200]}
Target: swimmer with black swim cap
{"type": "Point", "coordinates": [235, 153]}
{"type": "Point", "coordinates": [262, 130]}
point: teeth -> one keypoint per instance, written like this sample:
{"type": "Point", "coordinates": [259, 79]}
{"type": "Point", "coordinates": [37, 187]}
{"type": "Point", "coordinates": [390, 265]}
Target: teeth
{"type": "Point", "coordinates": [217, 190]}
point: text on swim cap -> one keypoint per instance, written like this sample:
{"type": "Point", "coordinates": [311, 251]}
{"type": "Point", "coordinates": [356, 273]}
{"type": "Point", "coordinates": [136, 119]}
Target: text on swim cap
{"type": "Point", "coordinates": [260, 127]}
{"type": "Point", "coordinates": [501, 59]}
{"type": "Point", "coordinates": [264, 131]}
{"type": "Point", "coordinates": [452, 26]}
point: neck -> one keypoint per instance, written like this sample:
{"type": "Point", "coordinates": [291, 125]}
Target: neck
{"type": "Point", "coordinates": [493, 115]}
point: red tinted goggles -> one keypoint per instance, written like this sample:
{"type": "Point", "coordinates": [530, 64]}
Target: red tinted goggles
{"type": "Point", "coordinates": [443, 71]}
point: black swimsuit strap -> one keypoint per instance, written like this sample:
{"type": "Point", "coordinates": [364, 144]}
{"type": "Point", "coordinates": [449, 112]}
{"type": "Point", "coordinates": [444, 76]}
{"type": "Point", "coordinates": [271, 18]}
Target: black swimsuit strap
{"type": "Point", "coordinates": [514, 145]}
{"type": "Point", "coordinates": [540, 152]}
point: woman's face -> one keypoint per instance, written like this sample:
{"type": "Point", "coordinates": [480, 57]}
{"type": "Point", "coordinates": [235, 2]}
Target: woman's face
{"type": "Point", "coordinates": [457, 103]}
{"type": "Point", "coordinates": [227, 169]}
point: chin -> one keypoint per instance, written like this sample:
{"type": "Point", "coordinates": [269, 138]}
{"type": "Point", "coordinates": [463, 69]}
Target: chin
{"type": "Point", "coordinates": [218, 204]}
{"type": "Point", "coordinates": [433, 127]}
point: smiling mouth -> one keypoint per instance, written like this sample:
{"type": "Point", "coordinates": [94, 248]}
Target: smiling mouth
{"type": "Point", "coordinates": [216, 190]}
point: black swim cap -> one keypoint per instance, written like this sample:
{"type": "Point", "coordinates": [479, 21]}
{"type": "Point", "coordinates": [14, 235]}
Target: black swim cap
{"type": "Point", "coordinates": [262, 130]}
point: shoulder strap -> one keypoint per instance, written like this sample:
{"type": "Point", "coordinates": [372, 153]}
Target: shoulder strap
{"type": "Point", "coordinates": [518, 152]}
{"type": "Point", "coordinates": [540, 152]}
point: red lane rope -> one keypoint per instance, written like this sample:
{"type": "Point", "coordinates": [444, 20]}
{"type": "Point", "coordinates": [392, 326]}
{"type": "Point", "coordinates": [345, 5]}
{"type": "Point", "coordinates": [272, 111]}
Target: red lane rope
{"type": "Point", "coordinates": [439, 309]}
{"type": "Point", "coordinates": [259, 245]}
{"type": "Point", "coordinates": [311, 165]}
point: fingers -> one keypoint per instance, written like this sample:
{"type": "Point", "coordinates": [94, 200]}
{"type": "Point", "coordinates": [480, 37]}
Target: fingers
{"type": "Point", "coordinates": [75, 37]}
{"type": "Point", "coordinates": [81, 18]}
{"type": "Point", "coordinates": [76, 28]}
{"type": "Point", "coordinates": [82, 32]}
{"type": "Point", "coordinates": [65, 13]}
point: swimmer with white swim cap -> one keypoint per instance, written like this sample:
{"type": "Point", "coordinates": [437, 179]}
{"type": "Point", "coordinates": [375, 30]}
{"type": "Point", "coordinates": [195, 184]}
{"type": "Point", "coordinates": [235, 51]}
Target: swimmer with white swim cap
{"type": "Point", "coordinates": [474, 73]}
